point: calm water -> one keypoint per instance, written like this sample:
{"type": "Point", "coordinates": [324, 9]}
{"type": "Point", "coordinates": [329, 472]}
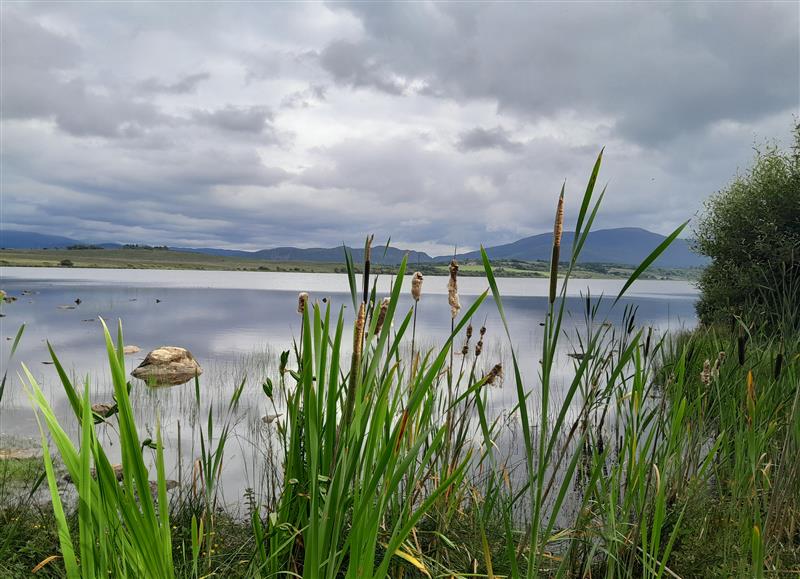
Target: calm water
{"type": "Point", "coordinates": [236, 324]}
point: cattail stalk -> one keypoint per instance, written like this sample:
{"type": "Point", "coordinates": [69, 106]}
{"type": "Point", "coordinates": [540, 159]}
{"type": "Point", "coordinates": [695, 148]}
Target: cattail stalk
{"type": "Point", "coordinates": [355, 371]}
{"type": "Point", "coordinates": [355, 361]}
{"type": "Point", "coordinates": [367, 253]}
{"type": "Point", "coordinates": [558, 229]}
{"type": "Point", "coordinates": [416, 294]}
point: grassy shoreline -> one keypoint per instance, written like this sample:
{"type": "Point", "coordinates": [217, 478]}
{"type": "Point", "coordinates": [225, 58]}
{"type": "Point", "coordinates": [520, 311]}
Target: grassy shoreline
{"type": "Point", "coordinates": [177, 260]}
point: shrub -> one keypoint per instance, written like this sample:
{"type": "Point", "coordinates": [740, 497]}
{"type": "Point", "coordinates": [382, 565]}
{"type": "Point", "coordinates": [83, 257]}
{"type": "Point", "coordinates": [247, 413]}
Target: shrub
{"type": "Point", "coordinates": [751, 232]}
{"type": "Point", "coordinates": [66, 263]}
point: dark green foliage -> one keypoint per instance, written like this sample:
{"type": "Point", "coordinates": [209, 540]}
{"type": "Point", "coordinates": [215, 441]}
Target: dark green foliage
{"type": "Point", "coordinates": [751, 231]}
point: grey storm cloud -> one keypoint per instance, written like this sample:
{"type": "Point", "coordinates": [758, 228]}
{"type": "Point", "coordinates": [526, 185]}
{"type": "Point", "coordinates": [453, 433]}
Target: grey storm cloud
{"type": "Point", "coordinates": [254, 119]}
{"type": "Point", "coordinates": [350, 64]}
{"type": "Point", "coordinates": [479, 138]}
{"type": "Point", "coordinates": [187, 84]}
{"type": "Point", "coordinates": [438, 124]}
{"type": "Point", "coordinates": [658, 69]}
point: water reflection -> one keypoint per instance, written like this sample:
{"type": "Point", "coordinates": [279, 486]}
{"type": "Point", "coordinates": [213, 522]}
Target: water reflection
{"type": "Point", "coordinates": [236, 323]}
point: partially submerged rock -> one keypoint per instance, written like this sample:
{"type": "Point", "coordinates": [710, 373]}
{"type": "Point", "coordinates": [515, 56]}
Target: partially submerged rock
{"type": "Point", "coordinates": [168, 366]}
{"type": "Point", "coordinates": [104, 409]}
{"type": "Point", "coordinates": [270, 418]}
{"type": "Point", "coordinates": [117, 468]}
{"type": "Point", "coordinates": [130, 349]}
{"type": "Point", "coordinates": [170, 484]}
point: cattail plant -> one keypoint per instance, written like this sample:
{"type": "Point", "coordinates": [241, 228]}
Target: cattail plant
{"type": "Point", "coordinates": [705, 375]}
{"type": "Point", "coordinates": [452, 290]}
{"type": "Point", "coordinates": [479, 345]}
{"type": "Point", "coordinates": [302, 302]}
{"type": "Point", "coordinates": [558, 229]}
{"type": "Point", "coordinates": [416, 294]}
{"type": "Point", "coordinates": [416, 286]}
{"type": "Point", "coordinates": [495, 375]}
{"type": "Point", "coordinates": [382, 315]}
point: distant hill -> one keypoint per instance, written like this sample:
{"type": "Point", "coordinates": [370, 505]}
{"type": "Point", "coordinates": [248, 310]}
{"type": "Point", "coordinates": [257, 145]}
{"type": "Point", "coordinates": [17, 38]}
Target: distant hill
{"type": "Point", "coordinates": [624, 246]}
{"type": "Point", "coordinates": [10, 239]}
{"type": "Point", "coordinates": [390, 256]}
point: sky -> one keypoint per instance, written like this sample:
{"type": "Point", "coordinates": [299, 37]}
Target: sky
{"type": "Point", "coordinates": [256, 125]}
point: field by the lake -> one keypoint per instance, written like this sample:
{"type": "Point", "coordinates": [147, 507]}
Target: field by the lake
{"type": "Point", "coordinates": [159, 258]}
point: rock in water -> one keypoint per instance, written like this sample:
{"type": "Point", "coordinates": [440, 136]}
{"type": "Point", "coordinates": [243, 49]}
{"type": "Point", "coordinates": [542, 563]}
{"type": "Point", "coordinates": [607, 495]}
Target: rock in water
{"type": "Point", "coordinates": [131, 349]}
{"type": "Point", "coordinates": [168, 366]}
{"type": "Point", "coordinates": [104, 409]}
{"type": "Point", "coordinates": [270, 418]}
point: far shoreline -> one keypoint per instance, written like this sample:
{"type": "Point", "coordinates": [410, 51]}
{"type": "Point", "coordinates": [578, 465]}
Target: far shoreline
{"type": "Point", "coordinates": [160, 259]}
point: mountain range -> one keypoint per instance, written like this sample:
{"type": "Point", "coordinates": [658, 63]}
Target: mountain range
{"type": "Point", "coordinates": [623, 246]}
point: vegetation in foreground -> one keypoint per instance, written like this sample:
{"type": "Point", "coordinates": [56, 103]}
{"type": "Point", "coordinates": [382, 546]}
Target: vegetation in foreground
{"type": "Point", "coordinates": [161, 258]}
{"type": "Point", "coordinates": [656, 457]}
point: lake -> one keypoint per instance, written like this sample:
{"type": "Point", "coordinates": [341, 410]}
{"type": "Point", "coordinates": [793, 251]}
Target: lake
{"type": "Point", "coordinates": [237, 323]}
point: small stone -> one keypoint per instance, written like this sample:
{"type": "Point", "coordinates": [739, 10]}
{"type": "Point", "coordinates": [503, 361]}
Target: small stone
{"type": "Point", "coordinates": [130, 349]}
{"type": "Point", "coordinates": [104, 409]}
{"type": "Point", "coordinates": [270, 418]}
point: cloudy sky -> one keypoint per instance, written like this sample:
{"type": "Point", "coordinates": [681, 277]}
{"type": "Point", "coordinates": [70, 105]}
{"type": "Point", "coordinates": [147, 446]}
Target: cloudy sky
{"type": "Point", "coordinates": [252, 125]}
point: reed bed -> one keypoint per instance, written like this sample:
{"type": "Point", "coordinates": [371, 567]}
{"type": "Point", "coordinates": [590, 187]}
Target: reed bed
{"type": "Point", "coordinates": [382, 457]}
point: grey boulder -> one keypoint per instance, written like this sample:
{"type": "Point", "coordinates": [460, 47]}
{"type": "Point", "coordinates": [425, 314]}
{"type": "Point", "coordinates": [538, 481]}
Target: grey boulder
{"type": "Point", "coordinates": [168, 366]}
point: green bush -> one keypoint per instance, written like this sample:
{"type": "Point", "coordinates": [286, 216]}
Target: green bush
{"type": "Point", "coordinates": [751, 232]}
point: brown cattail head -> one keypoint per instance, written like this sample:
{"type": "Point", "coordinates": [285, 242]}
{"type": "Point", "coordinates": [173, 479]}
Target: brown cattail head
{"type": "Point", "coordinates": [367, 253]}
{"type": "Point", "coordinates": [705, 375]}
{"type": "Point", "coordinates": [358, 332]}
{"type": "Point", "coordinates": [482, 331]}
{"type": "Point", "coordinates": [452, 290]}
{"type": "Point", "coordinates": [718, 363]}
{"type": "Point", "coordinates": [302, 301]}
{"type": "Point", "coordinates": [741, 346]}
{"type": "Point", "coordinates": [778, 366]}
{"type": "Point", "coordinates": [558, 229]}
{"type": "Point", "coordinates": [465, 350]}
{"type": "Point", "coordinates": [469, 332]}
{"type": "Point", "coordinates": [416, 286]}
{"type": "Point", "coordinates": [382, 315]}
{"type": "Point", "coordinates": [479, 347]}
{"type": "Point", "coordinates": [495, 375]}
